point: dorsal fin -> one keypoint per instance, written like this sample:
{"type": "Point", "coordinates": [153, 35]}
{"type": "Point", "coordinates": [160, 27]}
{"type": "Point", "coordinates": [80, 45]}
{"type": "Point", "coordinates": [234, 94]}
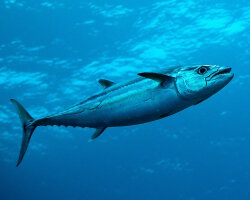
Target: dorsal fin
{"type": "Point", "coordinates": [156, 76]}
{"type": "Point", "coordinates": [106, 83]}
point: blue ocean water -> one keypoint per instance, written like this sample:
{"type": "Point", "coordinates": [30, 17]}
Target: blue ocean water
{"type": "Point", "coordinates": [52, 54]}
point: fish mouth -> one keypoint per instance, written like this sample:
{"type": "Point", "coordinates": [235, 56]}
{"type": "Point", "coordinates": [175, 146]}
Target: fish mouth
{"type": "Point", "coordinates": [223, 72]}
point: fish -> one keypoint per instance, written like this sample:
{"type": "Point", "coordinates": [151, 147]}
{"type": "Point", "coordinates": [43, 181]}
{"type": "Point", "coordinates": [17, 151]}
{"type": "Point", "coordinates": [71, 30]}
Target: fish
{"type": "Point", "coordinates": [148, 97]}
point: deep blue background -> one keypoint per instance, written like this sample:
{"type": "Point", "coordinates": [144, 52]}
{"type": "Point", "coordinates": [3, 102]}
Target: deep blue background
{"type": "Point", "coordinates": [53, 52]}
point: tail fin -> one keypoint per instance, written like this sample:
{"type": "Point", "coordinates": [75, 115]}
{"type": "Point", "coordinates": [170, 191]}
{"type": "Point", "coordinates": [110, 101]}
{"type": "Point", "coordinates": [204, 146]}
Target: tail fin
{"type": "Point", "coordinates": [28, 128]}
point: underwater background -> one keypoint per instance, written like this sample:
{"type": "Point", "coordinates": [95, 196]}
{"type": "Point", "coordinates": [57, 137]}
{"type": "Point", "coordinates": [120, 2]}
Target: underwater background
{"type": "Point", "coordinates": [52, 54]}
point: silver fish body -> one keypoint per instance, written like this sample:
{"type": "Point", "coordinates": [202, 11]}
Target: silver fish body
{"type": "Point", "coordinates": [136, 102]}
{"type": "Point", "coordinates": [149, 97]}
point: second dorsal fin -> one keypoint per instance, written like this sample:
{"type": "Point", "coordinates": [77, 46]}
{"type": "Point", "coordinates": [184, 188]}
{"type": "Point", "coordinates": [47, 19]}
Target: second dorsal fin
{"type": "Point", "coordinates": [106, 83]}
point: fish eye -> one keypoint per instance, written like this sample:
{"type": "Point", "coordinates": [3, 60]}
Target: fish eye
{"type": "Point", "coordinates": [202, 70]}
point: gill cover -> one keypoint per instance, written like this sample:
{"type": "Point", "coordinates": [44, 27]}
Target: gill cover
{"type": "Point", "coordinates": [190, 84]}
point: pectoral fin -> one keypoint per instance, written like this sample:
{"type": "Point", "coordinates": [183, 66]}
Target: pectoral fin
{"type": "Point", "coordinates": [98, 132]}
{"type": "Point", "coordinates": [161, 78]}
{"type": "Point", "coordinates": [106, 83]}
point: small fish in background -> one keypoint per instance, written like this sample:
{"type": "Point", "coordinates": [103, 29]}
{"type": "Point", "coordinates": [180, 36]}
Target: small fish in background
{"type": "Point", "coordinates": [149, 97]}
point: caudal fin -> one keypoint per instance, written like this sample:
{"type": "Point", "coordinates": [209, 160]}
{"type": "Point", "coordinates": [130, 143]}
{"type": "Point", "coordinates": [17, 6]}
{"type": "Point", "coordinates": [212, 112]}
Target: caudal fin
{"type": "Point", "coordinates": [28, 126]}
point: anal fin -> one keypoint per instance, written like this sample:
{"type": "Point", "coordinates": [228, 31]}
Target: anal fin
{"type": "Point", "coordinates": [98, 132]}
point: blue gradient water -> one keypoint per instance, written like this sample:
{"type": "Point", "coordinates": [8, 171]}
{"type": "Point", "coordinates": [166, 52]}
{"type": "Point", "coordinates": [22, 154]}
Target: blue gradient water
{"type": "Point", "coordinates": [53, 52]}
